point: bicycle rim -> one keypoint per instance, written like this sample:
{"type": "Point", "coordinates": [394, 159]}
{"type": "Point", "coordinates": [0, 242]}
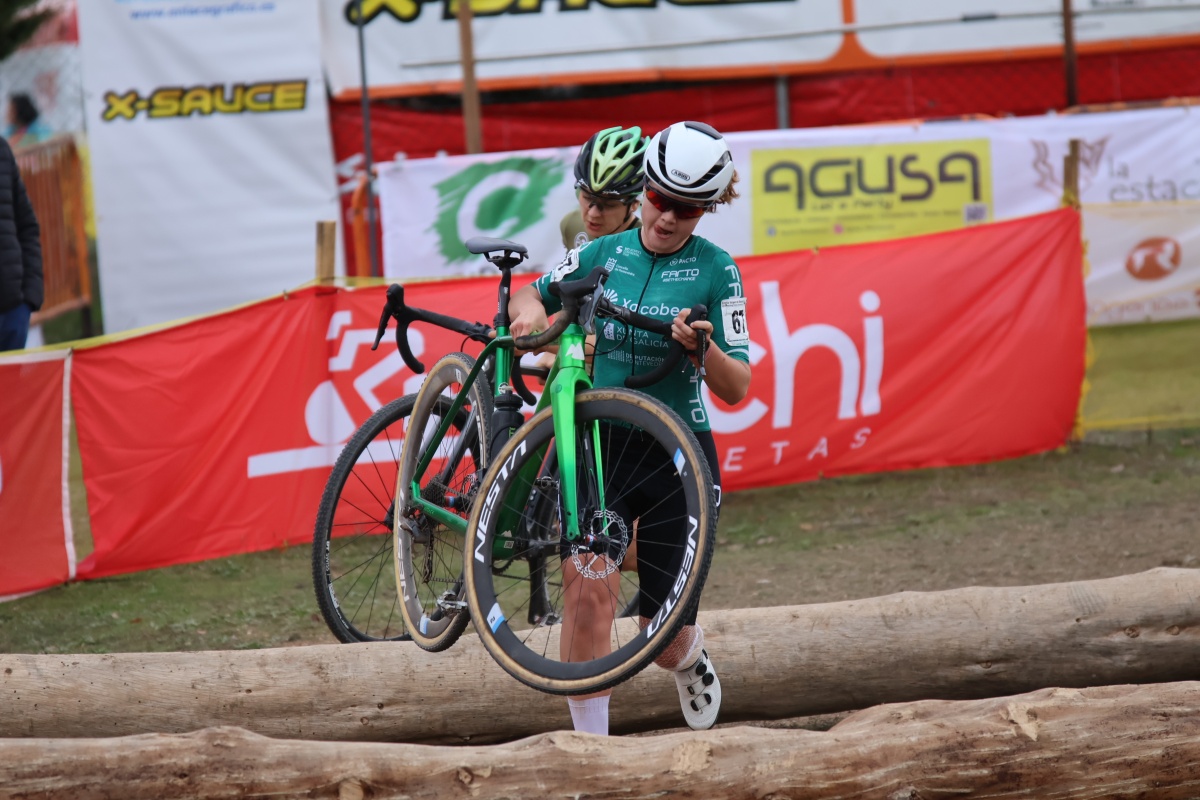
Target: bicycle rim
{"type": "Point", "coordinates": [529, 591]}
{"type": "Point", "coordinates": [352, 540]}
{"type": "Point", "coordinates": [429, 553]}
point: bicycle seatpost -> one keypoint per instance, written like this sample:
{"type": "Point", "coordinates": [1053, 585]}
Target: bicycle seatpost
{"type": "Point", "coordinates": [506, 418]}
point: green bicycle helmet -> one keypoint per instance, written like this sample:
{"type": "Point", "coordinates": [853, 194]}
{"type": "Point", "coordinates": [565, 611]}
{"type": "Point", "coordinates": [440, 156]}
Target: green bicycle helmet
{"type": "Point", "coordinates": [612, 162]}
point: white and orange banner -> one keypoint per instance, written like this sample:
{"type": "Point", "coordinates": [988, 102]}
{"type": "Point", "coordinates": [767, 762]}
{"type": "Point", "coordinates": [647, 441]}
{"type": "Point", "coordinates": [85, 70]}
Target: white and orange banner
{"type": "Point", "coordinates": [216, 437]}
{"type": "Point", "coordinates": [35, 513]}
{"type": "Point", "coordinates": [412, 46]}
{"type": "Point", "coordinates": [1144, 260]}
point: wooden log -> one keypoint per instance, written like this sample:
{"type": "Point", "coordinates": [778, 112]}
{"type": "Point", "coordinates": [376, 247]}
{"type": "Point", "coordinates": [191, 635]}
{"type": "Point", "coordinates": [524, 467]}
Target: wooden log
{"type": "Point", "coordinates": [774, 663]}
{"type": "Point", "coordinates": [1105, 742]}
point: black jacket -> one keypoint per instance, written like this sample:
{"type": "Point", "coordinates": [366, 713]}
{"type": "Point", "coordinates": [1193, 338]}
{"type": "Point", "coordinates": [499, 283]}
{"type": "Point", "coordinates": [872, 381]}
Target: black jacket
{"type": "Point", "coordinates": [20, 245]}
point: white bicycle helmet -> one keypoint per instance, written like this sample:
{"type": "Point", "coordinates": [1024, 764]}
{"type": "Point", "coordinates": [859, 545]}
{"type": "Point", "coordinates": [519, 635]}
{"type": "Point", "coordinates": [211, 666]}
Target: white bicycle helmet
{"type": "Point", "coordinates": [689, 162]}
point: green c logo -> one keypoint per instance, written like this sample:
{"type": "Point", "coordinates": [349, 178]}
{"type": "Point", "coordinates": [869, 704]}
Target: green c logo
{"type": "Point", "coordinates": [499, 199]}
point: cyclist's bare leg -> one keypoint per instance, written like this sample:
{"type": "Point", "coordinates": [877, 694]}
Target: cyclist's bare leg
{"type": "Point", "coordinates": [589, 609]}
{"type": "Point", "coordinates": [683, 650]}
{"type": "Point", "coordinates": [629, 563]}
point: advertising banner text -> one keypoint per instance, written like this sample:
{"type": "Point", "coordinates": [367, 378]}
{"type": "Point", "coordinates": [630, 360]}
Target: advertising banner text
{"type": "Point", "coordinates": [210, 149]}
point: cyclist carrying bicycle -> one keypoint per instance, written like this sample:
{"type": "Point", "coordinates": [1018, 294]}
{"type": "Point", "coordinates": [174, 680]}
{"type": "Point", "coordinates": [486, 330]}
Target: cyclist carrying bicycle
{"type": "Point", "coordinates": [660, 269]}
{"type": "Point", "coordinates": [608, 180]}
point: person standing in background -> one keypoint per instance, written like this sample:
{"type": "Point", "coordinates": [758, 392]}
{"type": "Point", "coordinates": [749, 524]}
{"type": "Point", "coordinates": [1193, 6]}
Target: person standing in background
{"type": "Point", "coordinates": [25, 126]}
{"type": "Point", "coordinates": [21, 286]}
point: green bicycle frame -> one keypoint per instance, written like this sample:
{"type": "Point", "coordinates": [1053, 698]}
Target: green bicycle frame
{"type": "Point", "coordinates": [571, 378]}
{"type": "Point", "coordinates": [503, 376]}
{"type": "Point", "coordinates": [567, 377]}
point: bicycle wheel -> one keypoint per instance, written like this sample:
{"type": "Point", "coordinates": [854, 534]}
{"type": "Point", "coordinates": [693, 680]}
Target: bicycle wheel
{"type": "Point", "coordinates": [429, 553]}
{"type": "Point", "coordinates": [636, 459]}
{"type": "Point", "coordinates": [352, 541]}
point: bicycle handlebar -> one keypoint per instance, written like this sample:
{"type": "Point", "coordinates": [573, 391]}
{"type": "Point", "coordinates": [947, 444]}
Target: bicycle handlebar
{"type": "Point", "coordinates": [396, 309]}
{"type": "Point", "coordinates": [582, 301]}
{"type": "Point", "coordinates": [404, 315]}
{"type": "Point", "coordinates": [674, 354]}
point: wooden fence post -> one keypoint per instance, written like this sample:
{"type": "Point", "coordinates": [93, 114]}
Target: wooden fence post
{"type": "Point", "coordinates": [326, 254]}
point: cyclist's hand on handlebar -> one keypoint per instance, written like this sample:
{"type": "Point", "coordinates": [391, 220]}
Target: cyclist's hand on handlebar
{"type": "Point", "coordinates": [686, 334]}
{"type": "Point", "coordinates": [694, 337]}
{"type": "Point", "coordinates": [529, 322]}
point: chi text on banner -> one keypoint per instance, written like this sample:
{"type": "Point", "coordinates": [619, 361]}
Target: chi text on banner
{"type": "Point", "coordinates": [950, 348]}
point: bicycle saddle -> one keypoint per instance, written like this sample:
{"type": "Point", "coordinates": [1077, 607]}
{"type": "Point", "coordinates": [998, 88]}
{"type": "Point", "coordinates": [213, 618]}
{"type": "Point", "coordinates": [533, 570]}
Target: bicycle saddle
{"type": "Point", "coordinates": [481, 245]}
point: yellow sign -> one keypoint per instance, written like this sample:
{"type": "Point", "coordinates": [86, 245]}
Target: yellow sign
{"type": "Point", "coordinates": [816, 197]}
{"type": "Point", "coordinates": [238, 98]}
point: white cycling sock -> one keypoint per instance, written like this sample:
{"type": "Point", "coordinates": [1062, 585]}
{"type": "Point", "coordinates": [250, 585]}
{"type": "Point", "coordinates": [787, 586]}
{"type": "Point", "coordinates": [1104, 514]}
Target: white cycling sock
{"type": "Point", "coordinates": [591, 715]}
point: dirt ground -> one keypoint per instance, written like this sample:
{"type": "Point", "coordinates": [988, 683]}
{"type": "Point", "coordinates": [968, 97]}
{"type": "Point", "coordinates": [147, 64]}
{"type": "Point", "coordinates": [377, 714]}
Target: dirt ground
{"type": "Point", "coordinates": [1000, 555]}
{"type": "Point", "coordinates": [1097, 511]}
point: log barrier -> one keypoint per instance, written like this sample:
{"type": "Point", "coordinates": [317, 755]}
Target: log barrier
{"type": "Point", "coordinates": [774, 663]}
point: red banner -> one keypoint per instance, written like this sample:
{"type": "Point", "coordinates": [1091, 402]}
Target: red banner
{"type": "Point", "coordinates": [35, 523]}
{"type": "Point", "coordinates": [216, 437]}
{"type": "Point", "coordinates": [168, 420]}
{"type": "Point", "coordinates": [952, 348]}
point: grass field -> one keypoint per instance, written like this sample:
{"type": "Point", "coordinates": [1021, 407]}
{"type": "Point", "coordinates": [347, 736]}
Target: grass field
{"type": "Point", "coordinates": [1144, 376]}
{"type": "Point", "coordinates": [1117, 503]}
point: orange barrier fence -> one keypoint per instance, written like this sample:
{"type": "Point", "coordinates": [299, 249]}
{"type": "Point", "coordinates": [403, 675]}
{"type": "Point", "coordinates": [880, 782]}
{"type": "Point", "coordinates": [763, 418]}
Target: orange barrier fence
{"type": "Point", "coordinates": [53, 175]}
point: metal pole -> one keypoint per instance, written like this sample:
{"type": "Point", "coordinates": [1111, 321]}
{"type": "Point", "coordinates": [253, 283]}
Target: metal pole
{"type": "Point", "coordinates": [1069, 62]}
{"type": "Point", "coordinates": [783, 111]}
{"type": "Point", "coordinates": [368, 163]}
{"type": "Point", "coordinates": [470, 92]}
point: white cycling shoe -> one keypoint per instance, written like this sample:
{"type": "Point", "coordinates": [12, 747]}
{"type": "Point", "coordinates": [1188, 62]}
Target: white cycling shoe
{"type": "Point", "coordinates": [699, 693]}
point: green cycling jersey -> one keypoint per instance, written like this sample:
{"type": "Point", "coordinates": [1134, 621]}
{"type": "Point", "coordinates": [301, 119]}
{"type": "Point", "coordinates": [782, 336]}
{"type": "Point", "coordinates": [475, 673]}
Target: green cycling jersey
{"type": "Point", "coordinates": [658, 286]}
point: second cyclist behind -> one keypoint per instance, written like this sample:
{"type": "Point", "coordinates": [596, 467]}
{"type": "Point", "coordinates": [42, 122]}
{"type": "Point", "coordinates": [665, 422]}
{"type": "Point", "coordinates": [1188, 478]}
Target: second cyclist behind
{"type": "Point", "coordinates": [608, 181]}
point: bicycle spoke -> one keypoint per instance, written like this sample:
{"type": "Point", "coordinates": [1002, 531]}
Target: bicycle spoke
{"type": "Point", "coordinates": [352, 546]}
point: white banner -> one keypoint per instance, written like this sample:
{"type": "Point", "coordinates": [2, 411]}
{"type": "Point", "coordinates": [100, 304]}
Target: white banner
{"type": "Point", "coordinates": [1139, 178]}
{"type": "Point", "coordinates": [411, 42]}
{"type": "Point", "coordinates": [412, 46]}
{"type": "Point", "coordinates": [1145, 262]}
{"type": "Point", "coordinates": [430, 206]}
{"type": "Point", "coordinates": [938, 27]}
{"type": "Point", "coordinates": [211, 153]}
